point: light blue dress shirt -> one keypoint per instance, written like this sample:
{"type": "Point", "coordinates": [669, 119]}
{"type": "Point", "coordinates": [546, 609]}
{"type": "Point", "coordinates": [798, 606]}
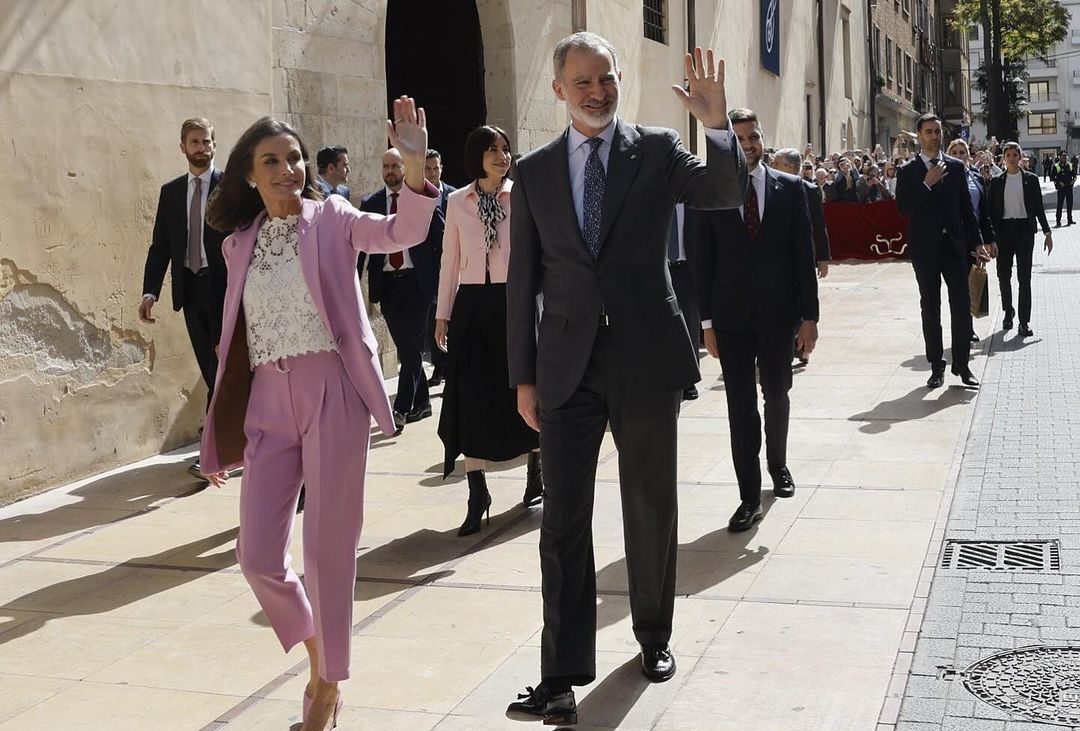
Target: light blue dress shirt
{"type": "Point", "coordinates": [578, 151]}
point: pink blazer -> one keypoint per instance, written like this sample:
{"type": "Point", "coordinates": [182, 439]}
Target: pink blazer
{"type": "Point", "coordinates": [331, 233]}
{"type": "Point", "coordinates": [463, 246]}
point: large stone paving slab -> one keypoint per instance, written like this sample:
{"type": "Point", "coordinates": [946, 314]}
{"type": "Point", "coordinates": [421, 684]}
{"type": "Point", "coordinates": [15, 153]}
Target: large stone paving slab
{"type": "Point", "coordinates": [121, 601]}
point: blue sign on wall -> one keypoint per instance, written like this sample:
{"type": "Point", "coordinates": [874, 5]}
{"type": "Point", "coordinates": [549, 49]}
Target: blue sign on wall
{"type": "Point", "coordinates": [770, 35]}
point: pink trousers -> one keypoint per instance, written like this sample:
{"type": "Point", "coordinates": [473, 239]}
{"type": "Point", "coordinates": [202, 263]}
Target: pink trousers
{"type": "Point", "coordinates": [305, 424]}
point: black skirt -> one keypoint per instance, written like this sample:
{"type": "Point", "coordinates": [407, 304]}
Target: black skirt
{"type": "Point", "coordinates": [479, 411]}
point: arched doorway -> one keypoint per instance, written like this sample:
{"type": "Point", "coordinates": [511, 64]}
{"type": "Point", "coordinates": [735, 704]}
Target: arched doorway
{"type": "Point", "coordinates": [435, 53]}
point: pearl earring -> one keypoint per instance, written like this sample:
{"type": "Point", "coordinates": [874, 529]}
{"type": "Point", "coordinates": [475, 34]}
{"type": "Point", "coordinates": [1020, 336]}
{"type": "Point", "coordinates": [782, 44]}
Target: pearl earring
{"type": "Point", "coordinates": [251, 183]}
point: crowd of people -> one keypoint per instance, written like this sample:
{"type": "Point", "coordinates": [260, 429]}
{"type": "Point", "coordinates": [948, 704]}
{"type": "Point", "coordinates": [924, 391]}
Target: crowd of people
{"type": "Point", "coordinates": [553, 306]}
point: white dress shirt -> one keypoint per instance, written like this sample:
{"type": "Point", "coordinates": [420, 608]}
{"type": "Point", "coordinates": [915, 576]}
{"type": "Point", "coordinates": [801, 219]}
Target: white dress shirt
{"type": "Point", "coordinates": [680, 221]}
{"type": "Point", "coordinates": [408, 259]}
{"type": "Point", "coordinates": [926, 161]}
{"type": "Point", "coordinates": [205, 178]}
{"type": "Point", "coordinates": [757, 179]}
{"type": "Point", "coordinates": [1014, 196]}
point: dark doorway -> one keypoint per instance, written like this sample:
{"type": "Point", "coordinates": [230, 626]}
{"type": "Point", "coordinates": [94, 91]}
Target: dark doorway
{"type": "Point", "coordinates": [435, 53]}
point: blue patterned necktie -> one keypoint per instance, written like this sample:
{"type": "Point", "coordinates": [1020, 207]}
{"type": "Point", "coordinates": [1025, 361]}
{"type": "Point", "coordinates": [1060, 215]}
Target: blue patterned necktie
{"type": "Point", "coordinates": [593, 202]}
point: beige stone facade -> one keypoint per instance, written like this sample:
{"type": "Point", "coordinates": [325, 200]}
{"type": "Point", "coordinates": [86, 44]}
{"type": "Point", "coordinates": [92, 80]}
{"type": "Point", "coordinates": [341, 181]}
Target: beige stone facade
{"type": "Point", "coordinates": [93, 95]}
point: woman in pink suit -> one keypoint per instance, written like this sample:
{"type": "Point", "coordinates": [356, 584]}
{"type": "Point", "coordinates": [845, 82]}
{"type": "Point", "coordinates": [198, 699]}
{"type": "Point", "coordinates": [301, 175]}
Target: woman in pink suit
{"type": "Point", "coordinates": [300, 380]}
{"type": "Point", "coordinates": [479, 416]}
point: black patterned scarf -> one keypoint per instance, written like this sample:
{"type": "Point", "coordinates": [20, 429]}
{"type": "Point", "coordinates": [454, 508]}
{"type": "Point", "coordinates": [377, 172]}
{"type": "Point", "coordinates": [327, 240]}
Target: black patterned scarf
{"type": "Point", "coordinates": [490, 212]}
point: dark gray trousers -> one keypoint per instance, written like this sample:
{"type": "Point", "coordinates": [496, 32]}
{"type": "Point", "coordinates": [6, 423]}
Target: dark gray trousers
{"type": "Point", "coordinates": [645, 428]}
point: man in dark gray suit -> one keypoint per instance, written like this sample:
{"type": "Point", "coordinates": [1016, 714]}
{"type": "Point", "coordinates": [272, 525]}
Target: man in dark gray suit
{"type": "Point", "coordinates": [590, 218]}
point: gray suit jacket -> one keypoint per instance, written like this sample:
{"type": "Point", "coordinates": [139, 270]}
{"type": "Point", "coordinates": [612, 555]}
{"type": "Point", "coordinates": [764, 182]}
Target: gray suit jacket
{"type": "Point", "coordinates": [648, 172]}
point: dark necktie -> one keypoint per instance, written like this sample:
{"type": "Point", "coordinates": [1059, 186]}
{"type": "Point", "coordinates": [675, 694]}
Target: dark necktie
{"type": "Point", "coordinates": [751, 217]}
{"type": "Point", "coordinates": [673, 238]}
{"type": "Point", "coordinates": [194, 229]}
{"type": "Point", "coordinates": [593, 201]}
{"type": "Point", "coordinates": [397, 259]}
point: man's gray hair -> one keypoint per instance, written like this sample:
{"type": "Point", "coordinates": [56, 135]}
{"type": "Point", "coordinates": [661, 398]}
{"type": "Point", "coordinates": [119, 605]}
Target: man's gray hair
{"type": "Point", "coordinates": [585, 41]}
{"type": "Point", "coordinates": [789, 156]}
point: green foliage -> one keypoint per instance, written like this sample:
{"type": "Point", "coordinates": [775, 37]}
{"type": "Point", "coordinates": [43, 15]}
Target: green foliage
{"type": "Point", "coordinates": [1012, 70]}
{"type": "Point", "coordinates": [1029, 28]}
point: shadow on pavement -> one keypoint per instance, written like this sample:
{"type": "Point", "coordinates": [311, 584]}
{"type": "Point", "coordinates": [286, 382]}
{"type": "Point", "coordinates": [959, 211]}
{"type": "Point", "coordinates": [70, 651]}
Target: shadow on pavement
{"type": "Point", "coordinates": [609, 703]}
{"type": "Point", "coordinates": [111, 599]}
{"type": "Point", "coordinates": [911, 407]}
{"type": "Point", "coordinates": [135, 491]}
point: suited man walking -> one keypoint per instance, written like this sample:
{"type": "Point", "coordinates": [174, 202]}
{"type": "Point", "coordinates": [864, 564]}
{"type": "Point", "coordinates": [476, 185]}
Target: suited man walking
{"type": "Point", "coordinates": [590, 225]}
{"type": "Point", "coordinates": [1064, 176]}
{"type": "Point", "coordinates": [433, 170]}
{"type": "Point", "coordinates": [757, 292]}
{"type": "Point", "coordinates": [403, 284]}
{"type": "Point", "coordinates": [183, 240]}
{"type": "Point", "coordinates": [1016, 208]}
{"type": "Point", "coordinates": [943, 237]}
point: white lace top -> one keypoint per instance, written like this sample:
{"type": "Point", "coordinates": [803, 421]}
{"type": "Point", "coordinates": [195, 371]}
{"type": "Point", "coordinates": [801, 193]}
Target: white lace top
{"type": "Point", "coordinates": [281, 317]}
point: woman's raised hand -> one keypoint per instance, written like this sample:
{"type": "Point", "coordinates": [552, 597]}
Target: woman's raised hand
{"type": "Point", "coordinates": [408, 129]}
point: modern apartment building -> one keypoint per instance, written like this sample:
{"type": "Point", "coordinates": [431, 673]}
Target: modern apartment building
{"type": "Point", "coordinates": [1053, 93]}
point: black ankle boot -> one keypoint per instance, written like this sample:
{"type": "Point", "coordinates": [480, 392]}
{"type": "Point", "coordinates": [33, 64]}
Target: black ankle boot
{"type": "Point", "coordinates": [479, 503]}
{"type": "Point", "coordinates": [534, 481]}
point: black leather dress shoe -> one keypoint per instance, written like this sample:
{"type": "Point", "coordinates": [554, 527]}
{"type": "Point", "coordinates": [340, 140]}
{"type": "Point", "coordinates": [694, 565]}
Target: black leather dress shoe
{"type": "Point", "coordinates": [399, 422]}
{"type": "Point", "coordinates": [1007, 323]}
{"type": "Point", "coordinates": [657, 662]}
{"type": "Point", "coordinates": [783, 483]}
{"type": "Point", "coordinates": [435, 380]}
{"type": "Point", "coordinates": [966, 377]}
{"type": "Point", "coordinates": [1024, 331]}
{"type": "Point", "coordinates": [974, 338]}
{"type": "Point", "coordinates": [540, 704]}
{"type": "Point", "coordinates": [420, 412]}
{"type": "Point", "coordinates": [936, 379]}
{"type": "Point", "coordinates": [745, 517]}
{"type": "Point", "coordinates": [690, 394]}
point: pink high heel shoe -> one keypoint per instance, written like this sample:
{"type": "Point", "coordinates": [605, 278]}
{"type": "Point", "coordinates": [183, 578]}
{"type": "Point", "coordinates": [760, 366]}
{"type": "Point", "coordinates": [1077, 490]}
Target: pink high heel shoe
{"type": "Point", "coordinates": [308, 700]}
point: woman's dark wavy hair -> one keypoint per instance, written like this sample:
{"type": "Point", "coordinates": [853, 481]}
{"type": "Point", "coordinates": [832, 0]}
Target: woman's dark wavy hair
{"type": "Point", "coordinates": [235, 204]}
{"type": "Point", "coordinates": [476, 144]}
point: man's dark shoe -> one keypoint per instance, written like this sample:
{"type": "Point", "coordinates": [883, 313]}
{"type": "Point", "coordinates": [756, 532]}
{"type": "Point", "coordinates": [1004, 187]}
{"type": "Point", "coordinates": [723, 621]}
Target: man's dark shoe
{"type": "Point", "coordinates": [783, 483]}
{"type": "Point", "coordinates": [1057, 225]}
{"type": "Point", "coordinates": [420, 412]}
{"type": "Point", "coordinates": [1007, 323]}
{"type": "Point", "coordinates": [435, 380]}
{"type": "Point", "coordinates": [966, 377]}
{"type": "Point", "coordinates": [540, 704]}
{"type": "Point", "coordinates": [690, 394]}
{"type": "Point", "coordinates": [1025, 331]}
{"type": "Point", "coordinates": [399, 422]}
{"type": "Point", "coordinates": [937, 377]}
{"type": "Point", "coordinates": [974, 338]}
{"type": "Point", "coordinates": [657, 662]}
{"type": "Point", "coordinates": [745, 517]}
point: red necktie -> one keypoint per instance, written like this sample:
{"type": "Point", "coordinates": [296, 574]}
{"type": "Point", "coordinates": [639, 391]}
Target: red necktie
{"type": "Point", "coordinates": [751, 219]}
{"type": "Point", "coordinates": [397, 259]}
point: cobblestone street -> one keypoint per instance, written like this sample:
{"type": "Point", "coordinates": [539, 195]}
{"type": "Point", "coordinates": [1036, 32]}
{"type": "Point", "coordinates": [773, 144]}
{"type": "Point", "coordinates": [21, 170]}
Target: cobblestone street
{"type": "Point", "coordinates": [1017, 482]}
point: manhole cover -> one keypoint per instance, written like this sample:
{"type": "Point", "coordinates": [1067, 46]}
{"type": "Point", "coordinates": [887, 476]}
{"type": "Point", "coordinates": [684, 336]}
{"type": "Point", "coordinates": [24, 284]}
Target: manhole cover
{"type": "Point", "coordinates": [1002, 555]}
{"type": "Point", "coordinates": [1039, 682]}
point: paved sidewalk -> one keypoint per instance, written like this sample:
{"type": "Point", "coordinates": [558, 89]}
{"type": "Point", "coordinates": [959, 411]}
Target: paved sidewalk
{"type": "Point", "coordinates": [1018, 480]}
{"type": "Point", "coordinates": [121, 606]}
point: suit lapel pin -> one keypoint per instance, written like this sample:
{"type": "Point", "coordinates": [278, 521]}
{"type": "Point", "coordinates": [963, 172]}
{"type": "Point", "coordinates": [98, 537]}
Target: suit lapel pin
{"type": "Point", "coordinates": [633, 157]}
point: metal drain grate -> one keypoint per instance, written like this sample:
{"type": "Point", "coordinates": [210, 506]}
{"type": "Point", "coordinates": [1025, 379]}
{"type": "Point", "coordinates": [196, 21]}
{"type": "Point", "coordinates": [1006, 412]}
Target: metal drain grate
{"type": "Point", "coordinates": [1038, 682]}
{"type": "Point", "coordinates": [1002, 555]}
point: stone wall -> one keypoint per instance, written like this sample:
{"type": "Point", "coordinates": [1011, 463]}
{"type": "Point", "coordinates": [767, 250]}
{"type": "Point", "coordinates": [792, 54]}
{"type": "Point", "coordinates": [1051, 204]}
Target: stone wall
{"type": "Point", "coordinates": [92, 94]}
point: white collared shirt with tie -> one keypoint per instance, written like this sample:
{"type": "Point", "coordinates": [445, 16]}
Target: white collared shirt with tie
{"type": "Point", "coordinates": [205, 193]}
{"type": "Point", "coordinates": [205, 178]}
{"type": "Point", "coordinates": [408, 259]}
